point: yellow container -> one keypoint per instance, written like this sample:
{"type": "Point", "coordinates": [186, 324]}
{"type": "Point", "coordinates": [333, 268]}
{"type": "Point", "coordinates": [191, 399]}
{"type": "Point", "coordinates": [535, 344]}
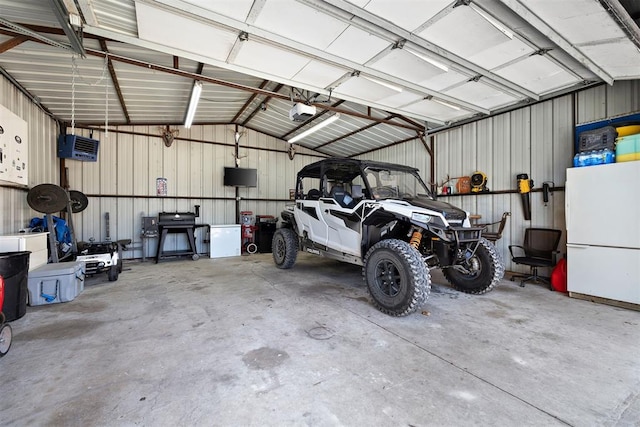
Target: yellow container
{"type": "Point", "coordinates": [627, 157]}
{"type": "Point", "coordinates": [627, 130]}
{"type": "Point", "coordinates": [628, 148]}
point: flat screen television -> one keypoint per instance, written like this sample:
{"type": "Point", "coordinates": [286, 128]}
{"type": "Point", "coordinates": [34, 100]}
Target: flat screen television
{"type": "Point", "coordinates": [240, 177]}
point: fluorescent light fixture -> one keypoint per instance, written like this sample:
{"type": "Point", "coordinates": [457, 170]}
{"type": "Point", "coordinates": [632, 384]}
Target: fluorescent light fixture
{"type": "Point", "coordinates": [385, 84]}
{"type": "Point", "coordinates": [193, 103]}
{"type": "Point", "coordinates": [314, 129]}
{"type": "Point", "coordinates": [446, 104]}
{"type": "Point", "coordinates": [492, 21]}
{"type": "Point", "coordinates": [429, 60]}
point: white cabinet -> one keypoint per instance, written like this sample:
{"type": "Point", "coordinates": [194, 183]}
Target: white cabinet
{"type": "Point", "coordinates": [224, 240]}
{"type": "Point", "coordinates": [36, 243]}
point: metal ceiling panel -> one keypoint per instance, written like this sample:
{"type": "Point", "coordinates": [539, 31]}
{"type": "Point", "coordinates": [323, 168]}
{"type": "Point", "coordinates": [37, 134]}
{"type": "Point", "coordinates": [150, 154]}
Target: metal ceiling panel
{"type": "Point", "coordinates": [481, 94]}
{"type": "Point", "coordinates": [186, 34]}
{"type": "Point", "coordinates": [403, 98]}
{"type": "Point", "coordinates": [441, 82]}
{"type": "Point", "coordinates": [479, 34]}
{"type": "Point", "coordinates": [408, 14]}
{"type": "Point", "coordinates": [269, 59]}
{"type": "Point", "coordinates": [404, 64]}
{"type": "Point", "coordinates": [236, 9]}
{"type": "Point", "coordinates": [538, 73]}
{"type": "Point", "coordinates": [577, 20]}
{"type": "Point", "coordinates": [113, 15]}
{"type": "Point", "coordinates": [443, 113]}
{"type": "Point", "coordinates": [357, 45]}
{"type": "Point", "coordinates": [34, 12]}
{"type": "Point", "coordinates": [436, 61]}
{"type": "Point", "coordinates": [366, 88]}
{"type": "Point", "coordinates": [320, 74]}
{"type": "Point", "coordinates": [299, 22]}
{"type": "Point", "coordinates": [502, 53]}
{"type": "Point", "coordinates": [619, 58]}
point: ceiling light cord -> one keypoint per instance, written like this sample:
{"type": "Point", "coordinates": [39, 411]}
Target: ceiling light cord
{"type": "Point", "coordinates": [73, 95]}
{"type": "Point", "coordinates": [106, 98]}
{"type": "Point", "coordinates": [75, 72]}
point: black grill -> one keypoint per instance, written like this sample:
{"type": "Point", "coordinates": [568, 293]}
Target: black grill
{"type": "Point", "coordinates": [177, 222]}
{"type": "Point", "coordinates": [172, 219]}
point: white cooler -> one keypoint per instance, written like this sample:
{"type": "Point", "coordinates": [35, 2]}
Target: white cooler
{"type": "Point", "coordinates": [56, 282]}
{"type": "Point", "coordinates": [224, 240]}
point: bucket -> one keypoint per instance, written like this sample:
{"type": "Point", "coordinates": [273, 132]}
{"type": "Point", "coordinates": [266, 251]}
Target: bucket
{"type": "Point", "coordinates": [14, 268]}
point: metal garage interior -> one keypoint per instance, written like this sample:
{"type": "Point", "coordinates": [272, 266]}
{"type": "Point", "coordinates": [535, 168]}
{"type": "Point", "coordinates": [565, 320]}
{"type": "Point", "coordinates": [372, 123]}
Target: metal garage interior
{"type": "Point", "coordinates": [447, 86]}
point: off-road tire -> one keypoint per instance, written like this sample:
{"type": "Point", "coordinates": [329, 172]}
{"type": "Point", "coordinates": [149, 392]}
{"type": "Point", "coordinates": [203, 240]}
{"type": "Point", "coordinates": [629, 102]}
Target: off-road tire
{"type": "Point", "coordinates": [112, 273]}
{"type": "Point", "coordinates": [490, 273]}
{"type": "Point", "coordinates": [284, 248]}
{"type": "Point", "coordinates": [397, 277]}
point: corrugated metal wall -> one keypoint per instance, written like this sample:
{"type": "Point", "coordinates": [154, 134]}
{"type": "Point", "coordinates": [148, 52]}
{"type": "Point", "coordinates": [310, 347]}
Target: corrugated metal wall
{"type": "Point", "coordinates": [42, 164]}
{"type": "Point", "coordinates": [123, 180]}
{"type": "Point", "coordinates": [537, 140]}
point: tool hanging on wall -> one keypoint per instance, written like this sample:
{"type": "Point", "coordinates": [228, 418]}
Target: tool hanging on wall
{"type": "Point", "coordinates": [547, 188]}
{"type": "Point", "coordinates": [524, 188]}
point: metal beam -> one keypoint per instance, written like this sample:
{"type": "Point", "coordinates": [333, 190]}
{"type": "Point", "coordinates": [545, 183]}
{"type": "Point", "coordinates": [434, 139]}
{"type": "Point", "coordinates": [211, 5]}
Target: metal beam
{"type": "Point", "coordinates": [358, 17]}
{"type": "Point", "coordinates": [150, 66]}
{"type": "Point", "coordinates": [195, 76]}
{"type": "Point", "coordinates": [249, 101]}
{"type": "Point", "coordinates": [189, 10]}
{"type": "Point", "coordinates": [259, 107]}
{"type": "Point", "coordinates": [534, 20]}
{"type": "Point", "coordinates": [10, 44]}
{"type": "Point", "coordinates": [114, 80]}
{"type": "Point", "coordinates": [369, 126]}
{"type": "Point", "coordinates": [63, 15]}
{"type": "Point", "coordinates": [20, 29]}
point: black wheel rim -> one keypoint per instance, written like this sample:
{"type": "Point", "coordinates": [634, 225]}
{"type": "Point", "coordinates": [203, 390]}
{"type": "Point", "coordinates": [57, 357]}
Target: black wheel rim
{"type": "Point", "coordinates": [388, 278]}
{"type": "Point", "coordinates": [280, 248]}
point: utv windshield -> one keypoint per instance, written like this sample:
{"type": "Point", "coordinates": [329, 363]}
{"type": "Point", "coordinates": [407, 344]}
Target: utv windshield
{"type": "Point", "coordinates": [388, 183]}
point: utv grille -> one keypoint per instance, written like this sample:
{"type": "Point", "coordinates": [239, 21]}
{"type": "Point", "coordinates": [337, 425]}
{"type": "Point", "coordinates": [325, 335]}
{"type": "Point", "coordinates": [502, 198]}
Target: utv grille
{"type": "Point", "coordinates": [468, 234]}
{"type": "Point", "coordinates": [455, 216]}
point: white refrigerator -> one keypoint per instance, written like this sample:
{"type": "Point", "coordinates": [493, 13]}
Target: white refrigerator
{"type": "Point", "coordinates": [602, 208]}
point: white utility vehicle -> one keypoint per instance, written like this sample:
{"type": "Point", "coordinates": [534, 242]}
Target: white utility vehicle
{"type": "Point", "coordinates": [383, 217]}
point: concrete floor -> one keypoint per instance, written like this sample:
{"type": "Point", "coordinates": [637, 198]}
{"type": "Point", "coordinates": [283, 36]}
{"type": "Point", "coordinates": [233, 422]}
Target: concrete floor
{"type": "Point", "coordinates": [229, 342]}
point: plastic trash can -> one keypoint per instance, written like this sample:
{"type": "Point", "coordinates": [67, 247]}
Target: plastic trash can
{"type": "Point", "coordinates": [266, 228]}
{"type": "Point", "coordinates": [14, 268]}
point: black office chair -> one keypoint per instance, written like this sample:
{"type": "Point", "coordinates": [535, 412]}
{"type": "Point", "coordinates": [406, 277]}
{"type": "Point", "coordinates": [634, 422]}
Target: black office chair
{"type": "Point", "coordinates": [538, 250]}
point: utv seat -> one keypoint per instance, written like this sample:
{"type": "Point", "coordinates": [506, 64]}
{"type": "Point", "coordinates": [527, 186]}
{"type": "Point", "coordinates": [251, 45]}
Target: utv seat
{"type": "Point", "coordinates": [313, 194]}
{"type": "Point", "coordinates": [341, 196]}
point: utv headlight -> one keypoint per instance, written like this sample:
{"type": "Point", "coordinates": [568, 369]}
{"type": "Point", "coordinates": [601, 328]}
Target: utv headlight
{"type": "Point", "coordinates": [421, 217]}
